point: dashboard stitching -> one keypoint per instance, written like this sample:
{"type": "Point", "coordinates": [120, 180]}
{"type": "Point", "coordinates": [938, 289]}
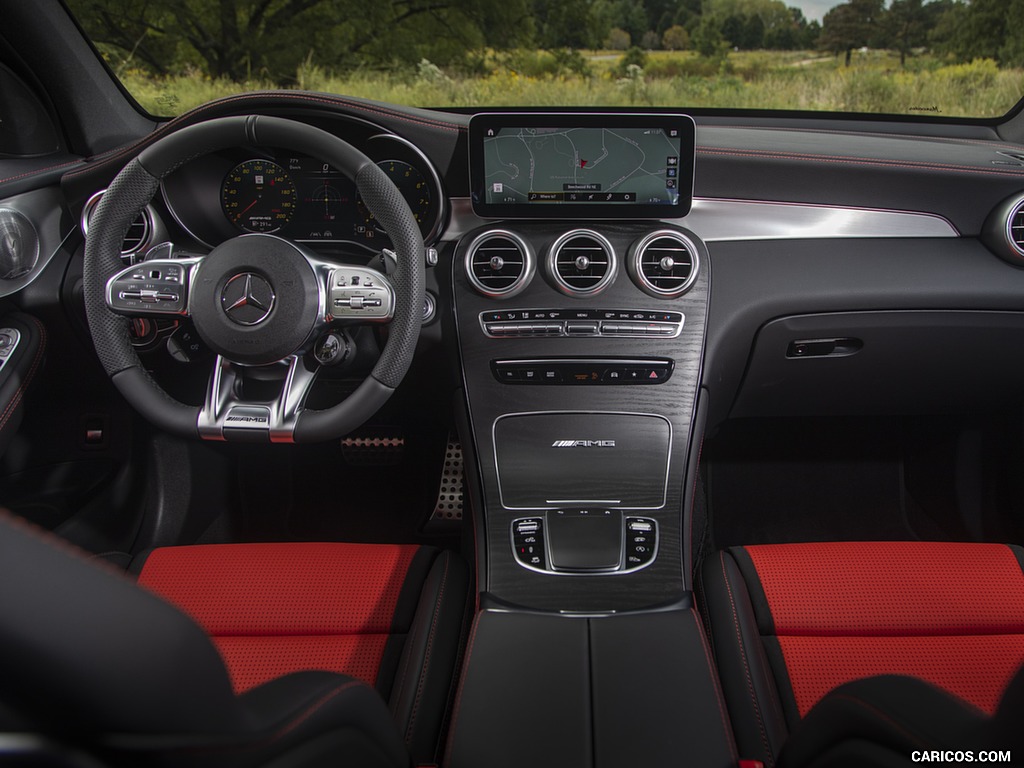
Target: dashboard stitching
{"type": "Point", "coordinates": [994, 144]}
{"type": "Point", "coordinates": [39, 171]}
{"type": "Point", "coordinates": [841, 159]}
{"type": "Point", "coordinates": [343, 102]}
{"type": "Point", "coordinates": [174, 124]}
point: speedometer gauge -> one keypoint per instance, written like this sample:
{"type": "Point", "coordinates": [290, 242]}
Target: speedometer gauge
{"type": "Point", "coordinates": [258, 196]}
{"type": "Point", "coordinates": [411, 184]}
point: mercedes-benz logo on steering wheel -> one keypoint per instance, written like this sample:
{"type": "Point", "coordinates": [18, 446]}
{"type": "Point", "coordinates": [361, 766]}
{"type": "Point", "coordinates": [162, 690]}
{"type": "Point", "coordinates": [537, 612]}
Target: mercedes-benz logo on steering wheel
{"type": "Point", "coordinates": [247, 298]}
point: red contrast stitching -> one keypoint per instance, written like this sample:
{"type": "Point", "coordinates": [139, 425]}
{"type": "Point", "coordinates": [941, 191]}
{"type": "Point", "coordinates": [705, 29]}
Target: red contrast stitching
{"type": "Point", "coordinates": [23, 385]}
{"type": "Point", "coordinates": [875, 710]}
{"type": "Point", "coordinates": [257, 95]}
{"type": "Point", "coordinates": [746, 665]}
{"type": "Point", "coordinates": [861, 161]}
{"type": "Point", "coordinates": [462, 683]}
{"type": "Point", "coordinates": [313, 708]}
{"type": "Point", "coordinates": [54, 542]}
{"type": "Point", "coordinates": [995, 144]}
{"type": "Point", "coordinates": [427, 652]}
{"type": "Point", "coordinates": [40, 171]}
{"type": "Point", "coordinates": [726, 723]}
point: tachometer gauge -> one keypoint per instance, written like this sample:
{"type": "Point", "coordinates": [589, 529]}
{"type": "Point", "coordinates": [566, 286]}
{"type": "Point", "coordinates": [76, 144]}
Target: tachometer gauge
{"type": "Point", "coordinates": [258, 196]}
{"type": "Point", "coordinates": [411, 184]}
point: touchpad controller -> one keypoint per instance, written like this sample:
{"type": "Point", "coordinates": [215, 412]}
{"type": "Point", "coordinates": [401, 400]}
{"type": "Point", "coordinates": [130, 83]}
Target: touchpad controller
{"type": "Point", "coordinates": [584, 541]}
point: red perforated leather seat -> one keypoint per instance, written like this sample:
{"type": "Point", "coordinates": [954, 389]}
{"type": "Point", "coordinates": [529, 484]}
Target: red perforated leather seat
{"type": "Point", "coordinates": [791, 623]}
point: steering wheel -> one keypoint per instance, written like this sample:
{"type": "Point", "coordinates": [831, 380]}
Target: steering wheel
{"type": "Point", "coordinates": [256, 299]}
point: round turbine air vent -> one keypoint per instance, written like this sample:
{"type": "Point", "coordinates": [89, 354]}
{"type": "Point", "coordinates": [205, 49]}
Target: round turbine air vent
{"type": "Point", "coordinates": [19, 245]}
{"type": "Point", "coordinates": [140, 232]}
{"type": "Point", "coordinates": [582, 262]}
{"type": "Point", "coordinates": [1015, 228]}
{"type": "Point", "coordinates": [664, 264]}
{"type": "Point", "coordinates": [499, 263]}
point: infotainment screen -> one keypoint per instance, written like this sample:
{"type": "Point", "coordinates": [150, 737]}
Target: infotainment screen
{"type": "Point", "coordinates": [581, 165]}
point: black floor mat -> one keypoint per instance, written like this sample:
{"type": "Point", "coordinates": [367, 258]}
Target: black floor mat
{"type": "Point", "coordinates": [837, 480]}
{"type": "Point", "coordinates": [376, 492]}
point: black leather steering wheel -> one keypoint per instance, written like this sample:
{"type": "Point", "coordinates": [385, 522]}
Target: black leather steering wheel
{"type": "Point", "coordinates": [256, 299]}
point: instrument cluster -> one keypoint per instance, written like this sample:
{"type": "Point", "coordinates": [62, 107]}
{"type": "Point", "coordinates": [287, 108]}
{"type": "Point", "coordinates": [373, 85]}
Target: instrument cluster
{"type": "Point", "coordinates": [275, 190]}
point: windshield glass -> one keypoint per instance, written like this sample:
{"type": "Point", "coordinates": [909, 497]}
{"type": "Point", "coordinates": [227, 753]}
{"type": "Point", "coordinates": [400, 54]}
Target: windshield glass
{"type": "Point", "coordinates": [941, 58]}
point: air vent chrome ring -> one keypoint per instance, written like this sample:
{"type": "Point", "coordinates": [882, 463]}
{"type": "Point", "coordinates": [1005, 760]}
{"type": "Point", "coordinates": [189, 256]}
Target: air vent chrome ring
{"type": "Point", "coordinates": [1015, 228]}
{"type": "Point", "coordinates": [140, 234]}
{"type": "Point", "coordinates": [499, 263]}
{"type": "Point", "coordinates": [664, 263]}
{"type": "Point", "coordinates": [579, 268]}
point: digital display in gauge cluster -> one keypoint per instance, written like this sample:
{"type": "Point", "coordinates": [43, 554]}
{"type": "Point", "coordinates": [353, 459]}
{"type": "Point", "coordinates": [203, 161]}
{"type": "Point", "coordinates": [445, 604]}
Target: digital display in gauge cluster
{"type": "Point", "coordinates": [281, 191]}
{"type": "Point", "coordinates": [304, 199]}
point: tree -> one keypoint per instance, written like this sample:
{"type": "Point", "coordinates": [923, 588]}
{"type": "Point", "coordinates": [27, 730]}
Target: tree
{"type": "Point", "coordinates": [732, 30]}
{"type": "Point", "coordinates": [1011, 52]}
{"type": "Point", "coordinates": [753, 33]}
{"type": "Point", "coordinates": [676, 38]}
{"type": "Point", "coordinates": [240, 39]}
{"type": "Point", "coordinates": [618, 39]}
{"type": "Point", "coordinates": [981, 29]}
{"type": "Point", "coordinates": [851, 25]}
{"type": "Point", "coordinates": [708, 40]}
{"type": "Point", "coordinates": [906, 25]}
{"type": "Point", "coordinates": [566, 24]}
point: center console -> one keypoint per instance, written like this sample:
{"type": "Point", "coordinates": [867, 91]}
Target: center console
{"type": "Point", "coordinates": [581, 320]}
{"type": "Point", "coordinates": [581, 361]}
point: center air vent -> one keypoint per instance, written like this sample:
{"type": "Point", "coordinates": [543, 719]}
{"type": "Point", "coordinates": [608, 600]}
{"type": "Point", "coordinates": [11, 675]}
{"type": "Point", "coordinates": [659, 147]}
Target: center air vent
{"type": "Point", "coordinates": [139, 235]}
{"type": "Point", "coordinates": [499, 263]}
{"type": "Point", "coordinates": [582, 262]}
{"type": "Point", "coordinates": [664, 264]}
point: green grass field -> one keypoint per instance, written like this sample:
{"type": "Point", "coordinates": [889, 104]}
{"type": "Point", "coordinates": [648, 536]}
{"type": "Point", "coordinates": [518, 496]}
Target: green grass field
{"type": "Point", "coordinates": [874, 83]}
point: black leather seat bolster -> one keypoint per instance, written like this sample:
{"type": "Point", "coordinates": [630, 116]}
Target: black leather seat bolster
{"type": "Point", "coordinates": [427, 666]}
{"type": "Point", "coordinates": [741, 650]}
{"type": "Point", "coordinates": [888, 717]}
{"type": "Point", "coordinates": [83, 649]}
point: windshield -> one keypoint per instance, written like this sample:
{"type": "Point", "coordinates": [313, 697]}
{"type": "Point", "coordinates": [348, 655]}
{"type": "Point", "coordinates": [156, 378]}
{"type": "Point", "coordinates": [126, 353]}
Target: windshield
{"type": "Point", "coordinates": [941, 58]}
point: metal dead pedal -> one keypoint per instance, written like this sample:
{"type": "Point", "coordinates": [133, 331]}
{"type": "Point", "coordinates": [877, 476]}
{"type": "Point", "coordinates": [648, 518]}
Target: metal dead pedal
{"type": "Point", "coordinates": [378, 448]}
{"type": "Point", "coordinates": [449, 494]}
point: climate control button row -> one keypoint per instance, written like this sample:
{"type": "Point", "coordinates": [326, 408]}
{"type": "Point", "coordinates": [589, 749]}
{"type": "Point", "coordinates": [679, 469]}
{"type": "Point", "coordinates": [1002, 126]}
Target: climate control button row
{"type": "Point", "coordinates": [583, 372]}
{"type": "Point", "coordinates": [519, 323]}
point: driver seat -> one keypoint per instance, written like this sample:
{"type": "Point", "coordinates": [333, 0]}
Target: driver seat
{"type": "Point", "coordinates": [238, 655]}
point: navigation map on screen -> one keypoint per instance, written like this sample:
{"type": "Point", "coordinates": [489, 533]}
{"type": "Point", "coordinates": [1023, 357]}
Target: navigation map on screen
{"type": "Point", "coordinates": [582, 166]}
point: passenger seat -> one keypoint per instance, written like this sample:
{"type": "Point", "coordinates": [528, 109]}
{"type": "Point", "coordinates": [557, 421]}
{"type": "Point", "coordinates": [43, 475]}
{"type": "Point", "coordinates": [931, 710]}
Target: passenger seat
{"type": "Point", "coordinates": [790, 623]}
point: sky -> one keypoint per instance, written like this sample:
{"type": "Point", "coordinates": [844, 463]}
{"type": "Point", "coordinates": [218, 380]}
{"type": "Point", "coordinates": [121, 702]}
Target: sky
{"type": "Point", "coordinates": [814, 9]}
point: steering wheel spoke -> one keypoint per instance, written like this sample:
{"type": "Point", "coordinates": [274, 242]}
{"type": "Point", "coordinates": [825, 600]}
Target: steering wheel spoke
{"type": "Point", "coordinates": [227, 415]}
{"type": "Point", "coordinates": [154, 288]}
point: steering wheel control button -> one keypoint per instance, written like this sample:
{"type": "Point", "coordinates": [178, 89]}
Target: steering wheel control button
{"type": "Point", "coordinates": [599, 371]}
{"type": "Point", "coordinates": [185, 346]}
{"type": "Point", "coordinates": [360, 294]}
{"type": "Point", "coordinates": [9, 338]}
{"type": "Point", "coordinates": [247, 298]}
{"type": "Point", "coordinates": [150, 288]}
